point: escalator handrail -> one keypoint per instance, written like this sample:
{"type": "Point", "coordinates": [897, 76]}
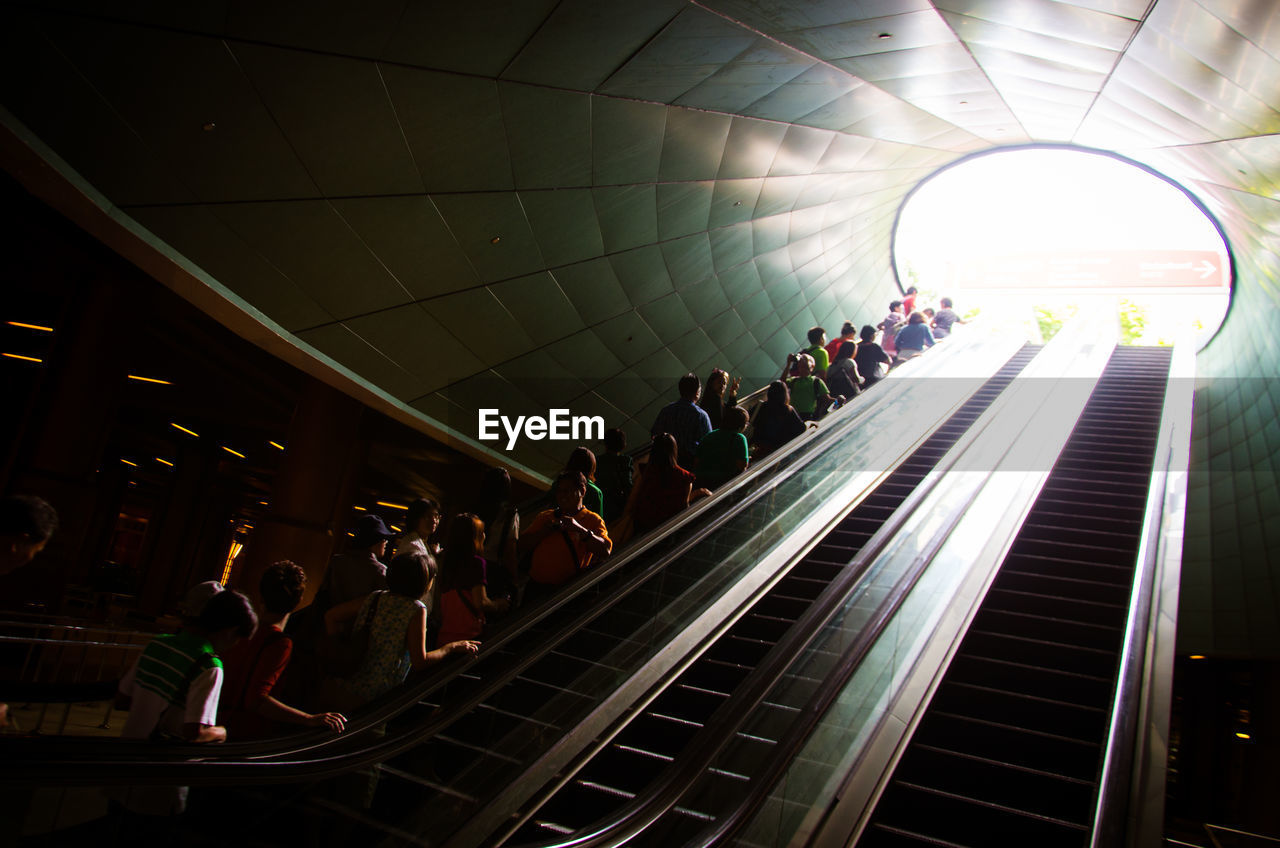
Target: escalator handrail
{"type": "Point", "coordinates": [724, 724]}
{"type": "Point", "coordinates": [1117, 776]}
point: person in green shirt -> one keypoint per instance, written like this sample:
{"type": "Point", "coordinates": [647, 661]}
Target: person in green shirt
{"type": "Point", "coordinates": [723, 453]}
{"type": "Point", "coordinates": [817, 349]}
{"type": "Point", "coordinates": [809, 394]}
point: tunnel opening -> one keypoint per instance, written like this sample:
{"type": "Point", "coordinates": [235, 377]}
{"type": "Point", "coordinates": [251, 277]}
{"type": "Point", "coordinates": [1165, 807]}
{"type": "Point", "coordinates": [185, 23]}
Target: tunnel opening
{"type": "Point", "coordinates": [1026, 238]}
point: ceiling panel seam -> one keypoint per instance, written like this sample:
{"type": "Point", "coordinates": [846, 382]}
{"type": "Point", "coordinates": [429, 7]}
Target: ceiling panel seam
{"type": "Point", "coordinates": [552, 269]}
{"type": "Point", "coordinates": [1120, 57]}
{"type": "Point", "coordinates": [995, 88]}
{"type": "Point", "coordinates": [814, 294]}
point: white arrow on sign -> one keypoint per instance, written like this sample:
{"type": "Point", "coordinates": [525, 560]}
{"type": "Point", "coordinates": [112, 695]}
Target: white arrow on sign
{"type": "Point", "coordinates": [1206, 268]}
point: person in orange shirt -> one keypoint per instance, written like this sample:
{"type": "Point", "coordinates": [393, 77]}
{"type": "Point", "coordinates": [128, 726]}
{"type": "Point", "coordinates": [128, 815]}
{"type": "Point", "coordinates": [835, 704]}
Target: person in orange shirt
{"type": "Point", "coordinates": [565, 540]}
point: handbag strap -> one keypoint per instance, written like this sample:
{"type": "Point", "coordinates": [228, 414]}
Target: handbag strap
{"type": "Point", "coordinates": [368, 621]}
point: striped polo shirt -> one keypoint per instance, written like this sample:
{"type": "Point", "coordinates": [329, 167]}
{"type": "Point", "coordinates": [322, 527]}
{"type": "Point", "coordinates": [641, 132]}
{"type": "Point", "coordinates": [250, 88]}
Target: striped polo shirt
{"type": "Point", "coordinates": [170, 663]}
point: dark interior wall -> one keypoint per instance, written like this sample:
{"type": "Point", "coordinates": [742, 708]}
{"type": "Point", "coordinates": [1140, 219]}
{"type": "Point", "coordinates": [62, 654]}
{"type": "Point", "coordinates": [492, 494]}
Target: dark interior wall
{"type": "Point", "coordinates": [73, 419]}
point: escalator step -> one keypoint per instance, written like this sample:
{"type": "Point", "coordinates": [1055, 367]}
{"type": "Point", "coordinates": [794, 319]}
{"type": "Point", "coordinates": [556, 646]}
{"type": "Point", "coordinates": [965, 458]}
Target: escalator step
{"type": "Point", "coordinates": [1046, 752]}
{"type": "Point", "coordinates": [999, 783]}
{"type": "Point", "coordinates": [959, 820]}
{"type": "Point", "coordinates": [1040, 714]}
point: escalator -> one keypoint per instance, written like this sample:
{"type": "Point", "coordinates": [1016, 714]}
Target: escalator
{"type": "Point", "coordinates": [1010, 749]}
{"type": "Point", "coordinates": [456, 740]}
{"type": "Point", "coordinates": [637, 757]}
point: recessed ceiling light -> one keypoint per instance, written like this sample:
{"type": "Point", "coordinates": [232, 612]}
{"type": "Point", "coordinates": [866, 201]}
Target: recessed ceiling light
{"type": "Point", "coordinates": [964, 102]}
{"type": "Point", "coordinates": [885, 36]}
{"type": "Point", "coordinates": [209, 127]}
{"type": "Point", "coordinates": [495, 239]}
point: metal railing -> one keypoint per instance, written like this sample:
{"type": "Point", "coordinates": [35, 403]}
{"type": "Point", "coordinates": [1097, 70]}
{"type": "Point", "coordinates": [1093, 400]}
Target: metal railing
{"type": "Point", "coordinates": [64, 662]}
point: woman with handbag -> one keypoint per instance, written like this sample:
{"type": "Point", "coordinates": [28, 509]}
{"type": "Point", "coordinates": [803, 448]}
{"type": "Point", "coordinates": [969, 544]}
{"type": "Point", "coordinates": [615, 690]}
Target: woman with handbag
{"type": "Point", "coordinates": [394, 624]}
{"type": "Point", "coordinates": [464, 598]}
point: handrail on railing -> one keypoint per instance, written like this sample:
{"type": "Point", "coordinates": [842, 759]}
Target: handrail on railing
{"type": "Point", "coordinates": [1143, 687]}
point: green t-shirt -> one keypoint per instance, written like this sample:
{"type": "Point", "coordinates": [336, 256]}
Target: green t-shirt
{"type": "Point", "coordinates": [821, 360]}
{"type": "Point", "coordinates": [805, 392]}
{"type": "Point", "coordinates": [719, 455]}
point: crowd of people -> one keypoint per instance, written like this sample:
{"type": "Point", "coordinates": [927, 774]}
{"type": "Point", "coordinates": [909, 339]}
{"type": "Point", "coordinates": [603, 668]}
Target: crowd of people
{"type": "Point", "coordinates": [391, 603]}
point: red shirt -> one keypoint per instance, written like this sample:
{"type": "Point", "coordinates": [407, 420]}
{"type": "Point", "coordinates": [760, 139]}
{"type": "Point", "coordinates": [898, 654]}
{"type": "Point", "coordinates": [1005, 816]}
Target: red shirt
{"type": "Point", "coordinates": [833, 347]}
{"type": "Point", "coordinates": [253, 668]}
{"type": "Point", "coordinates": [663, 493]}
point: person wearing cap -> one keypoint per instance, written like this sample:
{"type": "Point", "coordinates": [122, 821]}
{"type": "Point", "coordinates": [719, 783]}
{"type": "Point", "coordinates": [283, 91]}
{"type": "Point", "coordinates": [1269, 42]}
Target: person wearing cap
{"type": "Point", "coordinates": [358, 571]}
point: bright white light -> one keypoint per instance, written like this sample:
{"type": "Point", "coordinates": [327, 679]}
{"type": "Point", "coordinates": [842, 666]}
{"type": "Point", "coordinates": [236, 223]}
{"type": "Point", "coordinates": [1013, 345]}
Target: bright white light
{"type": "Point", "coordinates": [965, 225]}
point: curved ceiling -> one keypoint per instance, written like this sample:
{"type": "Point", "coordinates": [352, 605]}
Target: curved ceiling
{"type": "Point", "coordinates": [569, 203]}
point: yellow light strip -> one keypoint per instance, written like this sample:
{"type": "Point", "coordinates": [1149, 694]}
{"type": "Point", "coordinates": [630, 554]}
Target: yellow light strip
{"type": "Point", "coordinates": [185, 430]}
{"type": "Point", "coordinates": [1243, 736]}
{"type": "Point", "coordinates": [397, 529]}
{"type": "Point", "coordinates": [31, 326]}
{"type": "Point", "coordinates": [164, 462]}
{"type": "Point", "coordinates": [263, 503]}
{"type": "Point", "coordinates": [127, 462]}
{"type": "Point", "coordinates": [359, 509]}
{"type": "Point", "coordinates": [276, 445]}
{"type": "Point", "coordinates": [392, 505]}
{"type": "Point", "coordinates": [20, 356]}
{"type": "Point", "coordinates": [229, 450]}
{"type": "Point", "coordinates": [1196, 657]}
{"type": "Point", "coordinates": [148, 380]}
{"type": "Point", "coordinates": [234, 552]}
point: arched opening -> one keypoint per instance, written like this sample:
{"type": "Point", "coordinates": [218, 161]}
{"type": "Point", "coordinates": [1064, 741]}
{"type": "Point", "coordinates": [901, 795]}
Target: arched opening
{"type": "Point", "coordinates": [1026, 238]}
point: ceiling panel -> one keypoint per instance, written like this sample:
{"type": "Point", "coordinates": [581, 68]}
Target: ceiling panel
{"type": "Point", "coordinates": [564, 224]}
{"type": "Point", "coordinates": [549, 135]}
{"type": "Point", "coordinates": [583, 42]}
{"type": "Point", "coordinates": [467, 152]}
{"type": "Point", "coordinates": [493, 231]}
{"type": "Point", "coordinates": [313, 246]}
{"type": "Point", "coordinates": [190, 103]}
{"type": "Point", "coordinates": [411, 239]}
{"type": "Point", "coordinates": [462, 36]}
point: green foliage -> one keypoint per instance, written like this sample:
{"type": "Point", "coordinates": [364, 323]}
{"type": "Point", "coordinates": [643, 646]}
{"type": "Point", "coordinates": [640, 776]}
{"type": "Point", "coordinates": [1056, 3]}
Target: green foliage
{"type": "Point", "coordinates": [1133, 322]}
{"type": "Point", "coordinates": [1051, 318]}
